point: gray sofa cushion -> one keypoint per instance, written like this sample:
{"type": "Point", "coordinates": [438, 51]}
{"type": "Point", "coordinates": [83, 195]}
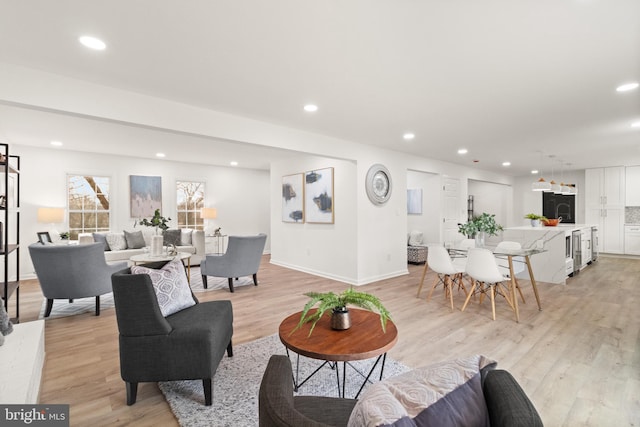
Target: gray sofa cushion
{"type": "Point", "coordinates": [101, 238]}
{"type": "Point", "coordinates": [134, 239]}
{"type": "Point", "coordinates": [172, 237]}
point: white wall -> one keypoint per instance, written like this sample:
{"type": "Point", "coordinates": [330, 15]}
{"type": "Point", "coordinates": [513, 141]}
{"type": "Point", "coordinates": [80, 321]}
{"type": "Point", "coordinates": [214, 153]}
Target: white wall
{"type": "Point", "coordinates": [328, 250]}
{"type": "Point", "coordinates": [429, 221]}
{"type": "Point", "coordinates": [241, 196]}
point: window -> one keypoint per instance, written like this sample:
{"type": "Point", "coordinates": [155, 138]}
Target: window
{"type": "Point", "coordinates": [88, 201]}
{"type": "Point", "coordinates": [190, 198]}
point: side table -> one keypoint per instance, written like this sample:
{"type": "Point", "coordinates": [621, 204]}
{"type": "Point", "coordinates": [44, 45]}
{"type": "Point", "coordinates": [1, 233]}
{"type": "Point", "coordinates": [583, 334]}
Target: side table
{"type": "Point", "coordinates": [215, 244]}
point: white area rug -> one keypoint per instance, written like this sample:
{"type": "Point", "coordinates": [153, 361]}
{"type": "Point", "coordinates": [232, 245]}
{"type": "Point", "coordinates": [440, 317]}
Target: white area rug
{"type": "Point", "coordinates": [237, 381]}
{"type": "Point", "coordinates": [63, 308]}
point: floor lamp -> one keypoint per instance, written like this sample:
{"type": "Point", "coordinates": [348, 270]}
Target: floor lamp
{"type": "Point", "coordinates": [208, 214]}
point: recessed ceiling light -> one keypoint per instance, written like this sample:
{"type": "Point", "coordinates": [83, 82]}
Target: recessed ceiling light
{"type": "Point", "coordinates": [56, 143]}
{"type": "Point", "coordinates": [234, 163]}
{"type": "Point", "coordinates": [92, 43]}
{"type": "Point", "coordinates": [627, 87]}
{"type": "Point", "coordinates": [463, 151]}
{"type": "Point", "coordinates": [161, 155]}
{"type": "Point", "coordinates": [408, 136]}
{"type": "Point", "coordinates": [635, 125]}
{"type": "Point", "coordinates": [506, 163]}
{"type": "Point", "coordinates": [310, 108]}
{"type": "Point", "coordinates": [534, 172]}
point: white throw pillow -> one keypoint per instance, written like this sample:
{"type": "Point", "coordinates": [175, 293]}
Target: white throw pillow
{"type": "Point", "coordinates": [171, 286]}
{"type": "Point", "coordinates": [415, 238]}
{"type": "Point", "coordinates": [185, 237]}
{"type": "Point", "coordinates": [116, 241]}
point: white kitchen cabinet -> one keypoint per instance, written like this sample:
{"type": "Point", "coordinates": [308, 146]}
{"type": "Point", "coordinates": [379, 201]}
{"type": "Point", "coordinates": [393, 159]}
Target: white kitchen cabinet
{"type": "Point", "coordinates": [632, 186]}
{"type": "Point", "coordinates": [604, 206]}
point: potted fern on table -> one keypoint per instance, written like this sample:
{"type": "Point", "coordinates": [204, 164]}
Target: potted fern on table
{"type": "Point", "coordinates": [338, 303]}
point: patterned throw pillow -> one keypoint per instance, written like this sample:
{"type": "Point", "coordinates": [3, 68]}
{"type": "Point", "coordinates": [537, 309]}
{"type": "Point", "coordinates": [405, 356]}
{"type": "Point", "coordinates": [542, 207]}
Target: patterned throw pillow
{"type": "Point", "coordinates": [116, 241]}
{"type": "Point", "coordinates": [171, 286]}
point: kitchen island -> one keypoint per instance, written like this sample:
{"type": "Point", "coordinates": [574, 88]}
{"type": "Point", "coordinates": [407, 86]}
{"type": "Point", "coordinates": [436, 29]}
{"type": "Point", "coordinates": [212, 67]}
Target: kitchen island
{"type": "Point", "coordinates": [556, 263]}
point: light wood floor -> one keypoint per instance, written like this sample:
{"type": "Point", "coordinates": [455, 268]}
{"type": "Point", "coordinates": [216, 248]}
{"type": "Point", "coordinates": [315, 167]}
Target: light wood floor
{"type": "Point", "coordinates": [578, 359]}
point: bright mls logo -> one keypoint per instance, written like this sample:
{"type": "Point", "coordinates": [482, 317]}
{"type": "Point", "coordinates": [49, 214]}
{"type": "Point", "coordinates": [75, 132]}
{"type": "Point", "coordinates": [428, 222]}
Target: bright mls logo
{"type": "Point", "coordinates": [34, 415]}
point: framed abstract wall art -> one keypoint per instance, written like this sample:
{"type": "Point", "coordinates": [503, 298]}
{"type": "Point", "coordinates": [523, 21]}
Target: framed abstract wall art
{"type": "Point", "coordinates": [145, 195]}
{"type": "Point", "coordinates": [414, 201]}
{"type": "Point", "coordinates": [318, 196]}
{"type": "Point", "coordinates": [293, 198]}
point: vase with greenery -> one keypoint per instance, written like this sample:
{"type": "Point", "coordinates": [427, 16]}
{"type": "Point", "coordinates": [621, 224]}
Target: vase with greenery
{"type": "Point", "coordinates": [479, 227]}
{"type": "Point", "coordinates": [535, 219]}
{"type": "Point", "coordinates": [157, 221]}
{"type": "Point", "coordinates": [338, 303]}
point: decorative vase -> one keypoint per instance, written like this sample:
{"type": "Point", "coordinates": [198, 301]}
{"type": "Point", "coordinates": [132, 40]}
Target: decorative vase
{"type": "Point", "coordinates": [156, 245]}
{"type": "Point", "coordinates": [480, 236]}
{"type": "Point", "coordinates": [340, 319]}
{"type": "Point", "coordinates": [535, 223]}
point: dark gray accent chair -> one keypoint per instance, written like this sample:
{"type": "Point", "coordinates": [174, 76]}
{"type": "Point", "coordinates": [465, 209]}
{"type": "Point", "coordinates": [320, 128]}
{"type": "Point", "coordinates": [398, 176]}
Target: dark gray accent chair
{"type": "Point", "coordinates": [186, 345]}
{"type": "Point", "coordinates": [242, 258]}
{"type": "Point", "coordinates": [278, 407]}
{"type": "Point", "coordinates": [507, 403]}
{"type": "Point", "coordinates": [72, 271]}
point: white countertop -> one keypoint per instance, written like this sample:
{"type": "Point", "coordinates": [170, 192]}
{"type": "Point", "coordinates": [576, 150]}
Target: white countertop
{"type": "Point", "coordinates": [560, 227]}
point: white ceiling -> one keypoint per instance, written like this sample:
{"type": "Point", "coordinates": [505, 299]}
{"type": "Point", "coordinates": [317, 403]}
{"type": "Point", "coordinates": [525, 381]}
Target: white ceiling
{"type": "Point", "coordinates": [505, 79]}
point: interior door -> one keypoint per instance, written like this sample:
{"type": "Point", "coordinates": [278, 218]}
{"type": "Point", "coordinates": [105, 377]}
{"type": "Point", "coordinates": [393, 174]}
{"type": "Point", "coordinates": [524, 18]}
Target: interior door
{"type": "Point", "coordinates": [450, 209]}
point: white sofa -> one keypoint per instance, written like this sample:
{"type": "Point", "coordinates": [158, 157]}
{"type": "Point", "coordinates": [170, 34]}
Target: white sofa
{"type": "Point", "coordinates": [194, 244]}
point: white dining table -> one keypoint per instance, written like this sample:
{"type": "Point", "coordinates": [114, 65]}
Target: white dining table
{"type": "Point", "coordinates": [509, 254]}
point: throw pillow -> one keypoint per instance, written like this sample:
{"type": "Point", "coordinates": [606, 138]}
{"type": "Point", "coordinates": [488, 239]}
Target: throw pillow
{"type": "Point", "coordinates": [172, 237]}
{"type": "Point", "coordinates": [101, 238]}
{"type": "Point", "coordinates": [134, 239]}
{"type": "Point", "coordinates": [415, 238]}
{"type": "Point", "coordinates": [446, 394]}
{"type": "Point", "coordinates": [171, 286]}
{"type": "Point", "coordinates": [185, 237]}
{"type": "Point", "coordinates": [116, 241]}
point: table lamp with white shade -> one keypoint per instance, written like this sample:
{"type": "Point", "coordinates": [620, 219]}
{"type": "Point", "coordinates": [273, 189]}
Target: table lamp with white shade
{"type": "Point", "coordinates": [51, 216]}
{"type": "Point", "coordinates": [208, 214]}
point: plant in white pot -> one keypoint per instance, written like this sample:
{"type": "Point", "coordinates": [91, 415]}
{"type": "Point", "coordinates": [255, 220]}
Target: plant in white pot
{"type": "Point", "coordinates": [159, 222]}
{"type": "Point", "coordinates": [479, 227]}
{"type": "Point", "coordinates": [535, 219]}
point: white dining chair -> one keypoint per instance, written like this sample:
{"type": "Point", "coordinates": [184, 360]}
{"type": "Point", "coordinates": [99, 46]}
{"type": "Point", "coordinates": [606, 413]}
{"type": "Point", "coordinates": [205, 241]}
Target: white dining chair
{"type": "Point", "coordinates": [446, 272]}
{"type": "Point", "coordinates": [486, 278]}
{"type": "Point", "coordinates": [518, 262]}
{"type": "Point", "coordinates": [460, 259]}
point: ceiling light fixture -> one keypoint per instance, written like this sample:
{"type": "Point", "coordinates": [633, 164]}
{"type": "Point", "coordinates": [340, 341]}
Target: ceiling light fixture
{"type": "Point", "coordinates": [56, 143]}
{"type": "Point", "coordinates": [534, 172]}
{"type": "Point", "coordinates": [409, 136]}
{"type": "Point", "coordinates": [92, 43]}
{"type": "Point", "coordinates": [233, 163]}
{"type": "Point", "coordinates": [635, 125]}
{"type": "Point", "coordinates": [627, 87]}
{"type": "Point", "coordinates": [463, 151]}
{"type": "Point", "coordinates": [506, 163]}
{"type": "Point", "coordinates": [161, 155]}
{"type": "Point", "coordinates": [540, 184]}
{"type": "Point", "coordinates": [310, 108]}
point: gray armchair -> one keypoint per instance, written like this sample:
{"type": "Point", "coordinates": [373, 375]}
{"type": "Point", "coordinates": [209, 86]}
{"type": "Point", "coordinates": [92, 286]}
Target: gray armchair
{"type": "Point", "coordinates": [72, 271]}
{"type": "Point", "coordinates": [186, 345]}
{"type": "Point", "coordinates": [241, 259]}
{"type": "Point", "coordinates": [278, 407]}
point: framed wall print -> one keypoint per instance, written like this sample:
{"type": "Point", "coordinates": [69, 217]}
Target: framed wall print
{"type": "Point", "coordinates": [318, 196]}
{"type": "Point", "coordinates": [293, 198]}
{"type": "Point", "coordinates": [146, 195]}
{"type": "Point", "coordinates": [414, 201]}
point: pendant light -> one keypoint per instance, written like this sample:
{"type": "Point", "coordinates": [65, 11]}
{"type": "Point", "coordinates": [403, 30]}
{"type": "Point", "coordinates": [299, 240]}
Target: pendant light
{"type": "Point", "coordinates": [540, 184]}
{"type": "Point", "coordinates": [553, 187]}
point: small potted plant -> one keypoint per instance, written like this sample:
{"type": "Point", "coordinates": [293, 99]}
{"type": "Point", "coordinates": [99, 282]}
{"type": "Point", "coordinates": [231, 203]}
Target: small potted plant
{"type": "Point", "coordinates": [64, 236]}
{"type": "Point", "coordinates": [535, 219]}
{"type": "Point", "coordinates": [337, 303]}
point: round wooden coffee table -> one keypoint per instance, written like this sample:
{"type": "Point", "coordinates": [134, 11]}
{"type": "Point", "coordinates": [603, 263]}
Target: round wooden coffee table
{"type": "Point", "coordinates": [363, 340]}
